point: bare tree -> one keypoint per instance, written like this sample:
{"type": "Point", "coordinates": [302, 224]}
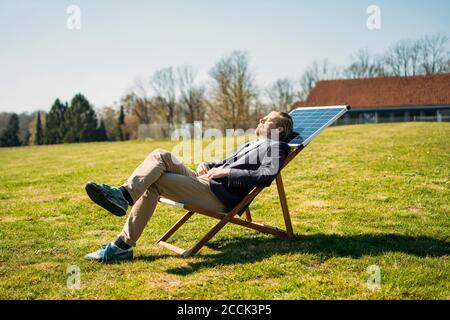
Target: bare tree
{"type": "Point", "coordinates": [192, 97]}
{"type": "Point", "coordinates": [139, 101]}
{"type": "Point", "coordinates": [110, 115]}
{"type": "Point", "coordinates": [428, 55]}
{"type": "Point", "coordinates": [282, 94]}
{"type": "Point", "coordinates": [435, 54]}
{"type": "Point", "coordinates": [234, 93]}
{"type": "Point", "coordinates": [365, 65]}
{"type": "Point", "coordinates": [139, 108]}
{"type": "Point", "coordinates": [403, 58]}
{"type": "Point", "coordinates": [164, 87]}
{"type": "Point", "coordinates": [315, 72]}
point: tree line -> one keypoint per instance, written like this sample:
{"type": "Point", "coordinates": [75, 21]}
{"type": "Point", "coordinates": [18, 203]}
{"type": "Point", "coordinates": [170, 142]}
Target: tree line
{"type": "Point", "coordinates": [230, 99]}
{"type": "Point", "coordinates": [64, 123]}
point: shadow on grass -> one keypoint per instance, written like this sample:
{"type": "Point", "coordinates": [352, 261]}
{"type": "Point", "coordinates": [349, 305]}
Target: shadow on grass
{"type": "Point", "coordinates": [248, 250]}
{"type": "Point", "coordinates": [152, 258]}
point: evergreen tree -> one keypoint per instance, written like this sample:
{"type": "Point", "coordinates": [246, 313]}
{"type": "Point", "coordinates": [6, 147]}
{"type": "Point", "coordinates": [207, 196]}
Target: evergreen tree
{"type": "Point", "coordinates": [54, 125]}
{"type": "Point", "coordinates": [101, 132]}
{"type": "Point", "coordinates": [39, 136]}
{"type": "Point", "coordinates": [121, 123]}
{"type": "Point", "coordinates": [80, 121]}
{"type": "Point", "coordinates": [10, 137]}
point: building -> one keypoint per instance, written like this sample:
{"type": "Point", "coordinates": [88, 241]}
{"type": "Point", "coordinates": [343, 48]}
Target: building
{"type": "Point", "coordinates": [386, 99]}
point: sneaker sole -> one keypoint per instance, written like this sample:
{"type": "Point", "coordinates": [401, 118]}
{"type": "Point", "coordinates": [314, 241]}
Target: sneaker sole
{"type": "Point", "coordinates": [95, 193]}
{"type": "Point", "coordinates": [118, 260]}
{"type": "Point", "coordinates": [100, 260]}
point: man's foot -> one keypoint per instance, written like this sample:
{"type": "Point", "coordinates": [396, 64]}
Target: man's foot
{"type": "Point", "coordinates": [110, 253]}
{"type": "Point", "coordinates": [109, 198]}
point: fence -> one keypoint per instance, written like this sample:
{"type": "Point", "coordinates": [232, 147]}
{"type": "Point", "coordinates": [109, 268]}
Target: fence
{"type": "Point", "coordinates": [395, 115]}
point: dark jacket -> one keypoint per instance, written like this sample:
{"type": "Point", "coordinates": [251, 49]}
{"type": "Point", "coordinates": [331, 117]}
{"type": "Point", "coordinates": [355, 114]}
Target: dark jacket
{"type": "Point", "coordinates": [256, 167]}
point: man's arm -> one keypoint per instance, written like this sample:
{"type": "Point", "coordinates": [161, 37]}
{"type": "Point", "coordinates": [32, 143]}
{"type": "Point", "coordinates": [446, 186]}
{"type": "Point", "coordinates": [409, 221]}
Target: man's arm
{"type": "Point", "coordinates": [211, 165]}
{"type": "Point", "coordinates": [205, 167]}
{"type": "Point", "coordinates": [265, 174]}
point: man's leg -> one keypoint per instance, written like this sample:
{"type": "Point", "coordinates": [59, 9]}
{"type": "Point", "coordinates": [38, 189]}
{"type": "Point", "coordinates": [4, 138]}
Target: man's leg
{"type": "Point", "coordinates": [117, 200]}
{"type": "Point", "coordinates": [150, 170]}
{"type": "Point", "coordinates": [159, 174]}
{"type": "Point", "coordinates": [176, 187]}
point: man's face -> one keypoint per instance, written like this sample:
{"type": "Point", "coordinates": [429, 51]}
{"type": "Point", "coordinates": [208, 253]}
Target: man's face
{"type": "Point", "coordinates": [267, 124]}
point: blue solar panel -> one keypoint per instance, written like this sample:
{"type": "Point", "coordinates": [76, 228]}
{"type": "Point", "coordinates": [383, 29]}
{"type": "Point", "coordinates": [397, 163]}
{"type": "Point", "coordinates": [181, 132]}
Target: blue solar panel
{"type": "Point", "coordinates": [310, 121]}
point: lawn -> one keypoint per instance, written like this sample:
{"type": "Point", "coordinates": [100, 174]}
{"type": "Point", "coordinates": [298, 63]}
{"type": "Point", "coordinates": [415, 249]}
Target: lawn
{"type": "Point", "coordinates": [359, 196]}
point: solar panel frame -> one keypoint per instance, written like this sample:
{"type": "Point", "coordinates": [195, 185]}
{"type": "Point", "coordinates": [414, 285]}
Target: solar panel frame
{"type": "Point", "coordinates": [343, 110]}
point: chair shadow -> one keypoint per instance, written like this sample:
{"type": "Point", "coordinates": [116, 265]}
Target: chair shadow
{"type": "Point", "coordinates": [245, 250]}
{"type": "Point", "coordinates": [152, 258]}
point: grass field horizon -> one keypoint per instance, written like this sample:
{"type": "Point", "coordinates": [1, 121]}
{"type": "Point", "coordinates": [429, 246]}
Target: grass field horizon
{"type": "Point", "coordinates": [359, 196]}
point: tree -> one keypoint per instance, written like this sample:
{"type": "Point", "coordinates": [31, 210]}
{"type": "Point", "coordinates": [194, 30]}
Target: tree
{"type": "Point", "coordinates": [315, 72]}
{"type": "Point", "coordinates": [35, 128]}
{"type": "Point", "coordinates": [10, 137]}
{"type": "Point", "coordinates": [109, 116]}
{"type": "Point", "coordinates": [132, 119]}
{"type": "Point", "coordinates": [39, 135]}
{"type": "Point", "coordinates": [435, 54]}
{"type": "Point", "coordinates": [428, 55]}
{"type": "Point", "coordinates": [192, 97]}
{"type": "Point", "coordinates": [140, 102]}
{"type": "Point", "coordinates": [403, 58]}
{"type": "Point", "coordinates": [80, 121]}
{"type": "Point", "coordinates": [121, 123]}
{"type": "Point", "coordinates": [365, 65]}
{"type": "Point", "coordinates": [101, 134]}
{"type": "Point", "coordinates": [25, 119]}
{"type": "Point", "coordinates": [282, 94]}
{"type": "Point", "coordinates": [54, 125]}
{"type": "Point", "coordinates": [163, 84]}
{"type": "Point", "coordinates": [234, 93]}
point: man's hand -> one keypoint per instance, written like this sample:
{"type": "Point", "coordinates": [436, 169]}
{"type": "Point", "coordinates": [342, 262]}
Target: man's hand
{"type": "Point", "coordinates": [217, 173]}
{"type": "Point", "coordinates": [202, 169]}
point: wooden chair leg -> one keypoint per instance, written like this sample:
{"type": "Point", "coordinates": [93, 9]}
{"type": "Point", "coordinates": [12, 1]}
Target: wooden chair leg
{"type": "Point", "coordinates": [208, 236]}
{"type": "Point", "coordinates": [248, 216]}
{"type": "Point", "coordinates": [230, 218]}
{"type": "Point", "coordinates": [284, 207]}
{"type": "Point", "coordinates": [176, 226]}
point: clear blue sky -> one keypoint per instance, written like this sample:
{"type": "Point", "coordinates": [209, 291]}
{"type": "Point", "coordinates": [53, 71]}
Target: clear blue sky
{"type": "Point", "coordinates": [40, 59]}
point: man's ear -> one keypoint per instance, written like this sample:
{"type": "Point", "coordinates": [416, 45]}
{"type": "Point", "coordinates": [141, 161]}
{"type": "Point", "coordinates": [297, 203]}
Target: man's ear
{"type": "Point", "coordinates": [280, 130]}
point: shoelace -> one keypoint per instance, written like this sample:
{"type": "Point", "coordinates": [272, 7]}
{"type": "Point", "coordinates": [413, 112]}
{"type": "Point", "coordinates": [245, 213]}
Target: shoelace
{"type": "Point", "coordinates": [112, 192]}
{"type": "Point", "coordinates": [108, 189]}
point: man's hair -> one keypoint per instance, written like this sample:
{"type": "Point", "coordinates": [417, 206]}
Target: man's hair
{"type": "Point", "coordinates": [285, 121]}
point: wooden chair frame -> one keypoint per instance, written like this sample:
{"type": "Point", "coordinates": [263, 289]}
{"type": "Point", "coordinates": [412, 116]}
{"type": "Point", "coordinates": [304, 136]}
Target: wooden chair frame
{"type": "Point", "coordinates": [230, 217]}
{"type": "Point", "coordinates": [242, 206]}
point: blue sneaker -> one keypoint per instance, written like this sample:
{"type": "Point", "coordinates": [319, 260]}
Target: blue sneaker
{"type": "Point", "coordinates": [110, 253]}
{"type": "Point", "coordinates": [109, 198]}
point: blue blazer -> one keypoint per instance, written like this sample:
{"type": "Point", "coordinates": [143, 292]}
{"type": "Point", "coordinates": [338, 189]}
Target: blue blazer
{"type": "Point", "coordinates": [256, 166]}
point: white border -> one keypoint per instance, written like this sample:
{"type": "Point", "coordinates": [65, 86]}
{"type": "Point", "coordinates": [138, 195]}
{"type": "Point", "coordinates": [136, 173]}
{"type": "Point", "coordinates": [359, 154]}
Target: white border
{"type": "Point", "coordinates": [326, 125]}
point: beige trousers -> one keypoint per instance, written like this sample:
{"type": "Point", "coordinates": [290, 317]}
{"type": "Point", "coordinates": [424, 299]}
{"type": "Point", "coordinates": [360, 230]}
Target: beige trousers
{"type": "Point", "coordinates": [161, 174]}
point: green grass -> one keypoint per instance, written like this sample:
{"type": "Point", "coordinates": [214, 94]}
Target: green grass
{"type": "Point", "coordinates": [358, 195]}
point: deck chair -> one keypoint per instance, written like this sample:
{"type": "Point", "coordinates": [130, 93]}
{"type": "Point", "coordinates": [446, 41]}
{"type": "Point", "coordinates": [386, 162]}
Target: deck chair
{"type": "Point", "coordinates": [308, 123]}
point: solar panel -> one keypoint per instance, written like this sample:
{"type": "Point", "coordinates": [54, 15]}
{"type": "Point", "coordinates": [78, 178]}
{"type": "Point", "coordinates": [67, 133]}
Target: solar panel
{"type": "Point", "coordinates": [310, 121]}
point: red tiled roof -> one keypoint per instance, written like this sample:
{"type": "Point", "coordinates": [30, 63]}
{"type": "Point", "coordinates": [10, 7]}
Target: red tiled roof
{"type": "Point", "coordinates": [431, 90]}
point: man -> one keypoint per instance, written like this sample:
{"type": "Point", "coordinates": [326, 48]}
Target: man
{"type": "Point", "coordinates": [217, 186]}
